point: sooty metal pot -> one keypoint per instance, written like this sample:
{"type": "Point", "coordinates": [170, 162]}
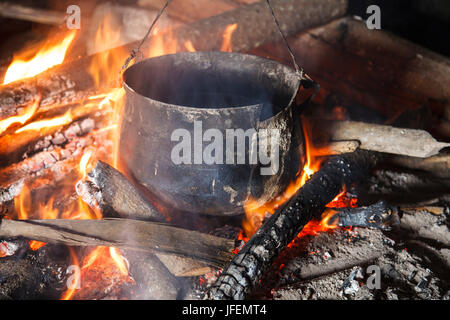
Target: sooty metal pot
{"type": "Point", "coordinates": [208, 90]}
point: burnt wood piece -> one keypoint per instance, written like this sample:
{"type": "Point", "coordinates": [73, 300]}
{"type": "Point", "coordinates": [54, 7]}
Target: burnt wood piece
{"type": "Point", "coordinates": [70, 80]}
{"type": "Point", "coordinates": [377, 216]}
{"type": "Point", "coordinates": [243, 273]}
{"type": "Point", "coordinates": [55, 164]}
{"type": "Point", "coordinates": [372, 68]}
{"type": "Point", "coordinates": [16, 146]}
{"type": "Point", "coordinates": [110, 191]}
{"type": "Point", "coordinates": [125, 234]}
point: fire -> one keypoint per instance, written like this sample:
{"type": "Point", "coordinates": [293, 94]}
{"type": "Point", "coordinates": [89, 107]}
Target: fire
{"type": "Point", "coordinates": [343, 200]}
{"type": "Point", "coordinates": [103, 265]}
{"type": "Point", "coordinates": [48, 56]}
{"type": "Point", "coordinates": [228, 33]}
{"type": "Point", "coordinates": [43, 124]}
{"type": "Point", "coordinates": [71, 291]}
{"type": "Point", "coordinates": [189, 46]}
{"type": "Point", "coordinates": [106, 64]}
{"type": "Point", "coordinates": [162, 43]}
{"type": "Point", "coordinates": [27, 114]}
{"type": "Point", "coordinates": [255, 212]}
{"type": "Point", "coordinates": [119, 260]}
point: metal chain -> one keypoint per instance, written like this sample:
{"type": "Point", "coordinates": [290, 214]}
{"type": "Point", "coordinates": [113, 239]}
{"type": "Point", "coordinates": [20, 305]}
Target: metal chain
{"type": "Point", "coordinates": [135, 51]}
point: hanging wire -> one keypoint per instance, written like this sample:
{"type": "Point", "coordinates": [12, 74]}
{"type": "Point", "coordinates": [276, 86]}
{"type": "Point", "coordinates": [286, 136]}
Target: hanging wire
{"type": "Point", "coordinates": [286, 43]}
{"type": "Point", "coordinates": [135, 51]}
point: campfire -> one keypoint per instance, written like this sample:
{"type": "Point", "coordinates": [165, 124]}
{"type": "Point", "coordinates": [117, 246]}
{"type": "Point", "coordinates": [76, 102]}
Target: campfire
{"type": "Point", "coordinates": [107, 193]}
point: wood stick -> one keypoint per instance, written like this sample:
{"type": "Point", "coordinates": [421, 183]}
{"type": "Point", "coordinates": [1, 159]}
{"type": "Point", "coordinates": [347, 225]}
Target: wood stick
{"type": "Point", "coordinates": [381, 138]}
{"type": "Point", "coordinates": [124, 234]}
{"type": "Point", "coordinates": [243, 273]}
{"type": "Point", "coordinates": [9, 10]}
{"type": "Point", "coordinates": [255, 27]}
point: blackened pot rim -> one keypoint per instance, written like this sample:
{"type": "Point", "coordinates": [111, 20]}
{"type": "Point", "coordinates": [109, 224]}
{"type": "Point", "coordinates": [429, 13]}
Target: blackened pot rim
{"type": "Point", "coordinates": [287, 70]}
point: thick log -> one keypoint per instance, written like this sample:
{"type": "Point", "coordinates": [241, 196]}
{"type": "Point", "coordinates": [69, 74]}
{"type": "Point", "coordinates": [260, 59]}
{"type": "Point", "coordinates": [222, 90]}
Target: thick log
{"type": "Point", "coordinates": [243, 273]}
{"type": "Point", "coordinates": [380, 138]}
{"type": "Point", "coordinates": [137, 235]}
{"type": "Point", "coordinates": [372, 68]}
{"type": "Point", "coordinates": [110, 191]}
{"type": "Point", "coordinates": [66, 82]}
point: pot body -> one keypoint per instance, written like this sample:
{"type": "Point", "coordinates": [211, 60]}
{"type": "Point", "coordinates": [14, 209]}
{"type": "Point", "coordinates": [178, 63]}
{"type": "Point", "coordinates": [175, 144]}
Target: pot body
{"type": "Point", "coordinates": [193, 99]}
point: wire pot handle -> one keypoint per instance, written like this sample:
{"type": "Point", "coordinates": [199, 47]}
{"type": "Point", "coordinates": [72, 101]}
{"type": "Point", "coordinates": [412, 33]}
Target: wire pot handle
{"type": "Point", "coordinates": [303, 79]}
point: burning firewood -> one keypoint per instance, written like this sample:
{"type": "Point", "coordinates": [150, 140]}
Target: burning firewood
{"type": "Point", "coordinates": [243, 273]}
{"type": "Point", "coordinates": [137, 235]}
{"type": "Point", "coordinates": [73, 81]}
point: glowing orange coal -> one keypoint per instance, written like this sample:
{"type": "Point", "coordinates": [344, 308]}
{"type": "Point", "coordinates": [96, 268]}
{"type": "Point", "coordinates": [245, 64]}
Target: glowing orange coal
{"type": "Point", "coordinates": [51, 54]}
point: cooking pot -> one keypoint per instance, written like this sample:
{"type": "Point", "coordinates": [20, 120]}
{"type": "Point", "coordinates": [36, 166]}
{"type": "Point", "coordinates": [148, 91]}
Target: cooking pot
{"type": "Point", "coordinates": [177, 105]}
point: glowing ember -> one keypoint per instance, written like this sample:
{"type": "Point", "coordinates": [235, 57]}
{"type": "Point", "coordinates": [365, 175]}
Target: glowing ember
{"type": "Point", "coordinates": [343, 200]}
{"type": "Point", "coordinates": [50, 55]}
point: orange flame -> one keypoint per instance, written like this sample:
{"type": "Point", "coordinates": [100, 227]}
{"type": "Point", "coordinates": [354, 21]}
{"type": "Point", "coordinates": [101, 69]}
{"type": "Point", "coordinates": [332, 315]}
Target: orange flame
{"type": "Point", "coordinates": [105, 65]}
{"type": "Point", "coordinates": [69, 293]}
{"type": "Point", "coordinates": [255, 213]}
{"type": "Point", "coordinates": [55, 122]}
{"type": "Point", "coordinates": [227, 34]}
{"type": "Point", "coordinates": [162, 43]}
{"type": "Point", "coordinates": [50, 55]}
{"type": "Point", "coordinates": [189, 46]}
{"type": "Point", "coordinates": [27, 114]}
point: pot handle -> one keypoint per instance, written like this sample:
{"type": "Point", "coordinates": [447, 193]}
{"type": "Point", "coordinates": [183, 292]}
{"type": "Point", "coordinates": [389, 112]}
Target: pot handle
{"type": "Point", "coordinates": [307, 83]}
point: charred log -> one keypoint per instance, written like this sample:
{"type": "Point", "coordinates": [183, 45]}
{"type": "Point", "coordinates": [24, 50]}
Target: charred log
{"type": "Point", "coordinates": [249, 264]}
{"type": "Point", "coordinates": [377, 216]}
